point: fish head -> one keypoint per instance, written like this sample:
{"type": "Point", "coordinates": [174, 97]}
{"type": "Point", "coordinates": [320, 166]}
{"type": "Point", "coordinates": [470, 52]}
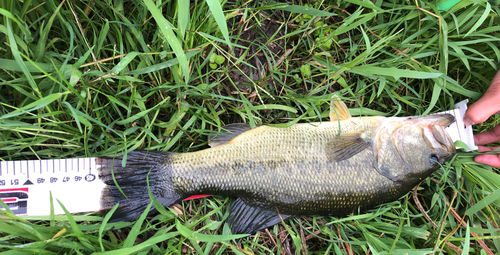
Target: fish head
{"type": "Point", "coordinates": [413, 147]}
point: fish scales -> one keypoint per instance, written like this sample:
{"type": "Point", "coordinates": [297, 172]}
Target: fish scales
{"type": "Point", "coordinates": [287, 168]}
{"type": "Point", "coordinates": [277, 173]}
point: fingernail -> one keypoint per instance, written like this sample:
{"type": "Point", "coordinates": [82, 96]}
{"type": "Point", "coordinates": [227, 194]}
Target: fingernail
{"type": "Point", "coordinates": [468, 121]}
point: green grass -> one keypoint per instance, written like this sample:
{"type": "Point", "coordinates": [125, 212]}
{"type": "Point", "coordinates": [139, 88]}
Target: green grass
{"type": "Point", "coordinates": [96, 78]}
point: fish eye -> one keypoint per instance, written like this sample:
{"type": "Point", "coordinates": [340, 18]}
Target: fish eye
{"type": "Point", "coordinates": [433, 158]}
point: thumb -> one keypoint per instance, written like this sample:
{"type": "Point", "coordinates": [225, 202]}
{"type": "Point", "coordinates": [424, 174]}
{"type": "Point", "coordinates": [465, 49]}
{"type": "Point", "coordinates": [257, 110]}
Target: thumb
{"type": "Point", "coordinates": [487, 105]}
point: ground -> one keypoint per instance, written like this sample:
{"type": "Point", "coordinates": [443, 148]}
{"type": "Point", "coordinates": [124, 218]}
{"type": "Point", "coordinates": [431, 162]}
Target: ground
{"type": "Point", "coordinates": [93, 78]}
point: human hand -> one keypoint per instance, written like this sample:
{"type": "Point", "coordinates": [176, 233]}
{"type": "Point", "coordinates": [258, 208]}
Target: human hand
{"type": "Point", "coordinates": [480, 111]}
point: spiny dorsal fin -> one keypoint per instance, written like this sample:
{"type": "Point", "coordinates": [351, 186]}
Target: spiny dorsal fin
{"type": "Point", "coordinates": [246, 219]}
{"type": "Point", "coordinates": [338, 109]}
{"type": "Point", "coordinates": [346, 146]}
{"type": "Point", "coordinates": [227, 133]}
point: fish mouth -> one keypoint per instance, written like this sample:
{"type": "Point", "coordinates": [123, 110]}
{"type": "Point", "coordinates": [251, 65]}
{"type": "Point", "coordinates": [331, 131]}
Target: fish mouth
{"type": "Point", "coordinates": [433, 128]}
{"type": "Point", "coordinates": [437, 137]}
{"type": "Point", "coordinates": [444, 120]}
{"type": "Point", "coordinates": [441, 119]}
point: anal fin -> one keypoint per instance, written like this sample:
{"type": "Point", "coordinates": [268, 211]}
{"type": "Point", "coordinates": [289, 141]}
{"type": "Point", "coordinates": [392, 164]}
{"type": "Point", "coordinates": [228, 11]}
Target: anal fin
{"type": "Point", "coordinates": [245, 219]}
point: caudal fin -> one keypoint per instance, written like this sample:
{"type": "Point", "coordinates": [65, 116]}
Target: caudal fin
{"type": "Point", "coordinates": [133, 182]}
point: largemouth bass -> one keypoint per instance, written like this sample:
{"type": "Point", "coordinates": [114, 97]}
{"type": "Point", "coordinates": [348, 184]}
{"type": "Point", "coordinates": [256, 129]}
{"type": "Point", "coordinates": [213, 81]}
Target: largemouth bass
{"type": "Point", "coordinates": [327, 168]}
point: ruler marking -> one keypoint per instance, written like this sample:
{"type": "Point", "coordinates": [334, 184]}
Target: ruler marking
{"type": "Point", "coordinates": [2, 181]}
{"type": "Point", "coordinates": [27, 170]}
{"type": "Point", "coordinates": [93, 166]}
{"type": "Point", "coordinates": [10, 166]}
{"type": "Point", "coordinates": [43, 171]}
{"type": "Point", "coordinates": [37, 168]}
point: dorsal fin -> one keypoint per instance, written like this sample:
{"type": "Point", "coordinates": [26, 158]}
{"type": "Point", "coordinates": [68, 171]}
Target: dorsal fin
{"type": "Point", "coordinates": [227, 133]}
{"type": "Point", "coordinates": [338, 109]}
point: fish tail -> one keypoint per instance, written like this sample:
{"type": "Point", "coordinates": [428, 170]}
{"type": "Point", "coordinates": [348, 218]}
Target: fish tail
{"type": "Point", "coordinates": [130, 185]}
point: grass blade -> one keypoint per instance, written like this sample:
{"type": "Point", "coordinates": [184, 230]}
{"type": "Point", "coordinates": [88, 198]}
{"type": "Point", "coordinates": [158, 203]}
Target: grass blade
{"type": "Point", "coordinates": [134, 232]}
{"type": "Point", "coordinates": [33, 106]}
{"type": "Point", "coordinates": [480, 21]}
{"type": "Point", "coordinates": [219, 17]}
{"type": "Point", "coordinates": [19, 59]}
{"type": "Point", "coordinates": [183, 15]}
{"type": "Point", "coordinates": [172, 40]}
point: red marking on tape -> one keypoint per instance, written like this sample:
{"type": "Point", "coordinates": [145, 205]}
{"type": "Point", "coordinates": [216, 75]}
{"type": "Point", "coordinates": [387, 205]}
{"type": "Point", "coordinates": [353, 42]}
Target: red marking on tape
{"type": "Point", "coordinates": [16, 199]}
{"type": "Point", "coordinates": [196, 196]}
{"type": "Point", "coordinates": [15, 189]}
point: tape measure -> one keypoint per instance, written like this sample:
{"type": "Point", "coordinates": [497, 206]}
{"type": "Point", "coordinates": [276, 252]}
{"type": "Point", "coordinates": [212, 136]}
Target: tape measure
{"type": "Point", "coordinates": [26, 185]}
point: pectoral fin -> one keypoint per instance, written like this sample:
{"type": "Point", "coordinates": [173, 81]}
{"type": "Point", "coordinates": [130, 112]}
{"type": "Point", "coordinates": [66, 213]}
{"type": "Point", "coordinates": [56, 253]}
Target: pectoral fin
{"type": "Point", "coordinates": [228, 133]}
{"type": "Point", "coordinates": [245, 219]}
{"type": "Point", "coordinates": [346, 146]}
{"type": "Point", "coordinates": [338, 109]}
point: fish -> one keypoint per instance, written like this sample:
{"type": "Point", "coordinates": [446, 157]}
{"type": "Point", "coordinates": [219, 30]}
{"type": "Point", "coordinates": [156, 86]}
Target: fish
{"type": "Point", "coordinates": [337, 167]}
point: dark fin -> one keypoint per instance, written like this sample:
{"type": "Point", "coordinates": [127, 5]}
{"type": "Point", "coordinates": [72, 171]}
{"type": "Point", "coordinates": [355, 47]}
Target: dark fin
{"type": "Point", "coordinates": [338, 109]}
{"type": "Point", "coordinates": [132, 180]}
{"type": "Point", "coordinates": [346, 146]}
{"type": "Point", "coordinates": [227, 133]}
{"type": "Point", "coordinates": [245, 219]}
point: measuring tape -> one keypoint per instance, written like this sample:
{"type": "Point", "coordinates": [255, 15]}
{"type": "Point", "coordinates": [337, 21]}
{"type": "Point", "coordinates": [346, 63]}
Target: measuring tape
{"type": "Point", "coordinates": [26, 185]}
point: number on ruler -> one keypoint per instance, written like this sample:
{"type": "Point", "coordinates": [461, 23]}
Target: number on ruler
{"type": "Point", "coordinates": [89, 177]}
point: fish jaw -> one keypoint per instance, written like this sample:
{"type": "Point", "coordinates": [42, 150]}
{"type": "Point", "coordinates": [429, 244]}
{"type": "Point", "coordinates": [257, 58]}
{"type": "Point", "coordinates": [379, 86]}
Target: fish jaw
{"type": "Point", "coordinates": [412, 147]}
{"type": "Point", "coordinates": [437, 137]}
{"type": "Point", "coordinates": [433, 133]}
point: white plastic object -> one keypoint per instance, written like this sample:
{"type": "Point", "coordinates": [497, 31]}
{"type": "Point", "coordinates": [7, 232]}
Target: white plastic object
{"type": "Point", "coordinates": [457, 130]}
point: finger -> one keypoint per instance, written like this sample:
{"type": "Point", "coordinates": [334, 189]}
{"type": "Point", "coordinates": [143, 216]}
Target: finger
{"type": "Point", "coordinates": [488, 159]}
{"type": "Point", "coordinates": [490, 136]}
{"type": "Point", "coordinates": [484, 148]}
{"type": "Point", "coordinates": [486, 106]}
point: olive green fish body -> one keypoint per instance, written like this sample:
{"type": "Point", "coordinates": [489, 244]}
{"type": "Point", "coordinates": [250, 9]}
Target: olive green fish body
{"type": "Point", "coordinates": [287, 168]}
{"type": "Point", "coordinates": [337, 167]}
